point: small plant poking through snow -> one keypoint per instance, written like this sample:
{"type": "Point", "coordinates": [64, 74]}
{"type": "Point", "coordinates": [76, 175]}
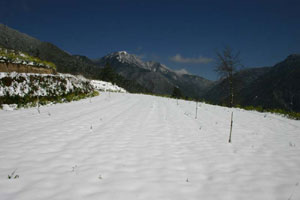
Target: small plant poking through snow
{"type": "Point", "coordinates": [296, 185]}
{"type": "Point", "coordinates": [292, 145]}
{"type": "Point", "coordinates": [13, 176]}
{"type": "Point", "coordinates": [75, 169]}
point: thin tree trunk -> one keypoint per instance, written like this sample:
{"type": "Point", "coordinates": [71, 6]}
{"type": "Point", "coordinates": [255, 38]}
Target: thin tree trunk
{"type": "Point", "coordinates": [231, 89]}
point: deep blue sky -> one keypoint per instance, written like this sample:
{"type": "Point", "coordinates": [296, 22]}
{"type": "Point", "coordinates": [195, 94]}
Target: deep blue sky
{"type": "Point", "coordinates": [264, 31]}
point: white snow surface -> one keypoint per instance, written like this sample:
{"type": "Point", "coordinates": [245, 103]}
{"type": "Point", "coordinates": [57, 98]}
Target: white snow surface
{"type": "Point", "coordinates": [106, 86]}
{"type": "Point", "coordinates": [123, 146]}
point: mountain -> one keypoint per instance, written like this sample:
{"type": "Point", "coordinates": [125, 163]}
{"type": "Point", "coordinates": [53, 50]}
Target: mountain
{"type": "Point", "coordinates": [278, 88]}
{"type": "Point", "coordinates": [65, 62]}
{"type": "Point", "coordinates": [155, 76]}
{"type": "Point", "coordinates": [219, 93]}
{"type": "Point", "coordinates": [274, 87]}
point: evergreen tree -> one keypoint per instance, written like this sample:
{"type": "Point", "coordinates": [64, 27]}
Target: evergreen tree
{"type": "Point", "coordinates": [108, 74]}
{"type": "Point", "coordinates": [177, 93]}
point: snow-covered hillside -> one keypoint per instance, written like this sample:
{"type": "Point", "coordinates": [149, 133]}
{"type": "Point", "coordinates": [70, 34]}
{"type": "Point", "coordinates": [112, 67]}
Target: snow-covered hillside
{"type": "Point", "coordinates": [127, 146]}
{"type": "Point", "coordinates": [22, 84]}
{"type": "Point", "coordinates": [22, 89]}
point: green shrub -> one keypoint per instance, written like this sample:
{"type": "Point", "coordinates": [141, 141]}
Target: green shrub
{"type": "Point", "coordinates": [288, 114]}
{"type": "Point", "coordinates": [29, 100]}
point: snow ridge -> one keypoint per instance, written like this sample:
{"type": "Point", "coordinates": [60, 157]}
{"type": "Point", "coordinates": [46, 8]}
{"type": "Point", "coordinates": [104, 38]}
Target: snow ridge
{"type": "Point", "coordinates": [22, 84]}
{"type": "Point", "coordinates": [106, 86]}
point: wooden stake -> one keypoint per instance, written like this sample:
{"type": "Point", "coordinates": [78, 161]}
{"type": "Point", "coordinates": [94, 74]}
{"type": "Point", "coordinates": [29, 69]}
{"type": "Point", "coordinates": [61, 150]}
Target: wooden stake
{"type": "Point", "coordinates": [230, 127]}
{"type": "Point", "coordinates": [196, 109]}
{"type": "Point", "coordinates": [38, 106]}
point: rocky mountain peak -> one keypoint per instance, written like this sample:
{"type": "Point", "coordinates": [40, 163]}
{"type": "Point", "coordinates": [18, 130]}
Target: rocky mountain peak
{"type": "Point", "coordinates": [124, 57]}
{"type": "Point", "coordinates": [293, 57]}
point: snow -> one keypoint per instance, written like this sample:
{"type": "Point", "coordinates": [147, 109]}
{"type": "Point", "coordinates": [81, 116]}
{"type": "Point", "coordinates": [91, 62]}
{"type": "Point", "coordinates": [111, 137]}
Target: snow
{"type": "Point", "coordinates": [106, 86]}
{"type": "Point", "coordinates": [129, 146]}
{"type": "Point", "coordinates": [123, 52]}
{"type": "Point", "coordinates": [33, 82]}
{"type": "Point", "coordinates": [9, 107]}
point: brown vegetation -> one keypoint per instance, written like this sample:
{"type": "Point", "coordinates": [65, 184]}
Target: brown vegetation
{"type": "Point", "coordinates": [20, 68]}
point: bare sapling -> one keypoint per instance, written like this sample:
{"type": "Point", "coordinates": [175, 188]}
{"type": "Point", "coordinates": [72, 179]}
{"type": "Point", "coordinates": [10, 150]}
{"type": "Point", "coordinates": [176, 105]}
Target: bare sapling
{"type": "Point", "coordinates": [228, 64]}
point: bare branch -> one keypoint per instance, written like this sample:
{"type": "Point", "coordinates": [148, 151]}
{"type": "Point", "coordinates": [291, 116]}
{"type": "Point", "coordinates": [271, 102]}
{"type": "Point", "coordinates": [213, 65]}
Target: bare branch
{"type": "Point", "coordinates": [227, 62]}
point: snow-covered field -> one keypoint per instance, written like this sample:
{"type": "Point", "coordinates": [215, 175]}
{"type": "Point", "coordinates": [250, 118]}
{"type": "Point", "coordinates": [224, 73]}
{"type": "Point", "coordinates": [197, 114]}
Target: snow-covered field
{"type": "Point", "coordinates": [126, 146]}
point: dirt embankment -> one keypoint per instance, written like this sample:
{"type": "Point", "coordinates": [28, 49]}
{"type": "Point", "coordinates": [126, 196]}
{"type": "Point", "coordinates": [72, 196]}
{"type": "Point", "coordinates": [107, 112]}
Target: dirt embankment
{"type": "Point", "coordinates": [20, 68]}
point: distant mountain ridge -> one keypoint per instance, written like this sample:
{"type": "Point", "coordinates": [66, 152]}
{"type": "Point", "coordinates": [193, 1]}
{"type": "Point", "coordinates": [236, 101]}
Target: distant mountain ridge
{"type": "Point", "coordinates": [219, 93]}
{"type": "Point", "coordinates": [155, 76]}
{"type": "Point", "coordinates": [276, 87]}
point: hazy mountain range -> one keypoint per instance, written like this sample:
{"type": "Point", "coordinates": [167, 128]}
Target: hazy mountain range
{"type": "Point", "coordinates": [269, 87]}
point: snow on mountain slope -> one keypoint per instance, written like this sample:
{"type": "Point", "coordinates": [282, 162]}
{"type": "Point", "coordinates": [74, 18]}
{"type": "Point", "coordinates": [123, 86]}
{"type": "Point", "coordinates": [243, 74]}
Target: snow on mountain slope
{"type": "Point", "coordinates": [124, 57]}
{"type": "Point", "coordinates": [128, 146]}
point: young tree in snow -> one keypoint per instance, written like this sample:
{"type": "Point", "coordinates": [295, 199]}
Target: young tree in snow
{"type": "Point", "coordinates": [228, 63]}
